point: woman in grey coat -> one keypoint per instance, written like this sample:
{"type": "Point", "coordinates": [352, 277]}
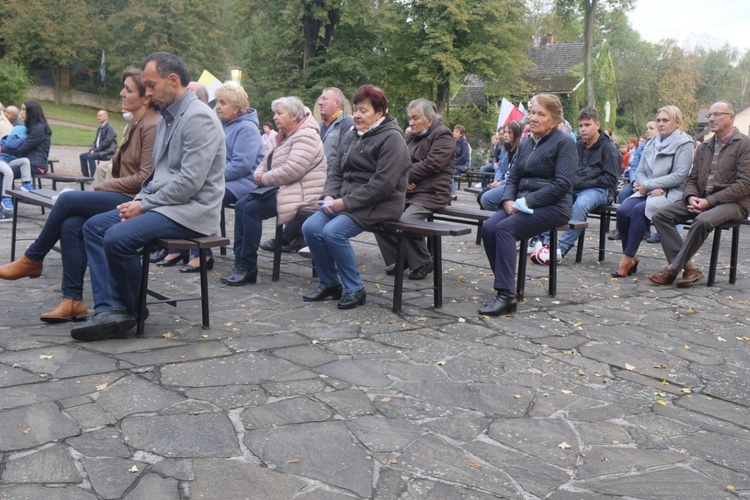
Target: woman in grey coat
{"type": "Point", "coordinates": [659, 181]}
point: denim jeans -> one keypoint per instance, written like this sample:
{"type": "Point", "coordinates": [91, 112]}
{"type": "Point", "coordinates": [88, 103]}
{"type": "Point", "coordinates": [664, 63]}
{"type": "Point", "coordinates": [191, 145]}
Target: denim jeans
{"type": "Point", "coordinates": [585, 201]}
{"type": "Point", "coordinates": [249, 214]}
{"type": "Point", "coordinates": [492, 199]}
{"type": "Point", "coordinates": [328, 239]}
{"type": "Point", "coordinates": [88, 163]}
{"type": "Point", "coordinates": [112, 249]}
{"type": "Point", "coordinates": [625, 193]}
{"type": "Point", "coordinates": [14, 169]}
{"type": "Point", "coordinates": [229, 199]}
{"type": "Point", "coordinates": [65, 224]}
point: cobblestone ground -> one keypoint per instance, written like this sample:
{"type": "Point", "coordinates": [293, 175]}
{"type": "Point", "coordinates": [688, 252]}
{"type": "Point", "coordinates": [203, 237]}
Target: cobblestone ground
{"type": "Point", "coordinates": [612, 389]}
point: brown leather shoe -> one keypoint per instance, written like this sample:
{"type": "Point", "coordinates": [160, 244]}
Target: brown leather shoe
{"type": "Point", "coordinates": [664, 277]}
{"type": "Point", "coordinates": [68, 310]}
{"type": "Point", "coordinates": [21, 268]}
{"type": "Point", "coordinates": [689, 277]}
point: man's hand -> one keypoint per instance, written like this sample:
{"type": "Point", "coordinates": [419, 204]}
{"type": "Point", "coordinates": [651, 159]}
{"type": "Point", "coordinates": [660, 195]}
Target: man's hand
{"type": "Point", "coordinates": [411, 186]}
{"type": "Point", "coordinates": [495, 184]}
{"type": "Point", "coordinates": [129, 210]}
{"type": "Point", "coordinates": [640, 189]}
{"type": "Point", "coordinates": [697, 205]}
{"type": "Point", "coordinates": [508, 207]}
{"type": "Point", "coordinates": [657, 192]}
{"type": "Point", "coordinates": [337, 205]}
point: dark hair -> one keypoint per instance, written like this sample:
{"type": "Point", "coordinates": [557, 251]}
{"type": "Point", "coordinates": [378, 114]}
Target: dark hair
{"type": "Point", "coordinates": [375, 95]}
{"type": "Point", "coordinates": [268, 124]}
{"type": "Point", "coordinates": [135, 74]}
{"type": "Point", "coordinates": [166, 64]}
{"type": "Point", "coordinates": [34, 115]}
{"type": "Point", "coordinates": [513, 127]}
{"type": "Point", "coordinates": [588, 113]}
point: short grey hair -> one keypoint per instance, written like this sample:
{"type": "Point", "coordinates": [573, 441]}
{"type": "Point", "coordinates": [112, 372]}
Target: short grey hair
{"type": "Point", "coordinates": [427, 108]}
{"type": "Point", "coordinates": [338, 94]}
{"type": "Point", "coordinates": [234, 94]}
{"type": "Point", "coordinates": [292, 104]}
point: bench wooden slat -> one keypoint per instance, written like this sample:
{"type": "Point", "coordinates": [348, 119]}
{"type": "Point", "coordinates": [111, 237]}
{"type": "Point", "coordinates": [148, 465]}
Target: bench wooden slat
{"type": "Point", "coordinates": [426, 228]}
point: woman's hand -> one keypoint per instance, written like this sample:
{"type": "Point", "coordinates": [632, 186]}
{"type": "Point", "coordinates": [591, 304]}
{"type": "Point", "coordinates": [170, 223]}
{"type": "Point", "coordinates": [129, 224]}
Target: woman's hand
{"type": "Point", "coordinates": [257, 178]}
{"type": "Point", "coordinates": [495, 184]}
{"type": "Point", "coordinates": [337, 205]}
{"type": "Point", "coordinates": [657, 192]}
{"type": "Point", "coordinates": [641, 189]}
{"type": "Point", "coordinates": [508, 207]}
{"type": "Point", "coordinates": [411, 186]}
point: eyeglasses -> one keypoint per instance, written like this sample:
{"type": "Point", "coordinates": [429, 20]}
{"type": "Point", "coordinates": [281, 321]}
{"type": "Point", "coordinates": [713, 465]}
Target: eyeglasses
{"type": "Point", "coordinates": [717, 114]}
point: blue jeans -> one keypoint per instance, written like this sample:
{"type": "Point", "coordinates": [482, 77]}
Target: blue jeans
{"type": "Point", "coordinates": [500, 233]}
{"type": "Point", "coordinates": [229, 199]}
{"type": "Point", "coordinates": [249, 214]}
{"type": "Point", "coordinates": [585, 201]}
{"type": "Point", "coordinates": [112, 249]}
{"type": "Point", "coordinates": [625, 193]}
{"type": "Point", "coordinates": [65, 224]}
{"type": "Point", "coordinates": [632, 224]}
{"type": "Point", "coordinates": [328, 239]}
{"type": "Point", "coordinates": [490, 167]}
{"type": "Point", "coordinates": [492, 199]}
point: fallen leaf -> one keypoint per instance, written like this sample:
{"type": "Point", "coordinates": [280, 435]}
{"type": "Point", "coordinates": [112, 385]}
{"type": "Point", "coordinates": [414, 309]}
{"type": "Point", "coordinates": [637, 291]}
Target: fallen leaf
{"type": "Point", "coordinates": [730, 487]}
{"type": "Point", "coordinates": [581, 373]}
{"type": "Point", "coordinates": [168, 335]}
{"type": "Point", "coordinates": [570, 473]}
{"type": "Point", "coordinates": [293, 461]}
{"type": "Point", "coordinates": [133, 469]}
{"type": "Point", "coordinates": [323, 375]}
{"type": "Point", "coordinates": [717, 338]}
{"type": "Point", "coordinates": [517, 396]}
{"type": "Point", "coordinates": [615, 441]}
{"type": "Point", "coordinates": [462, 320]}
{"type": "Point", "coordinates": [664, 382]}
{"type": "Point", "coordinates": [566, 391]}
{"type": "Point", "coordinates": [46, 356]}
{"type": "Point", "coordinates": [204, 336]}
{"type": "Point", "coordinates": [421, 318]}
{"type": "Point", "coordinates": [629, 367]}
{"type": "Point", "coordinates": [101, 387]}
{"type": "Point", "coordinates": [16, 365]}
{"type": "Point", "coordinates": [440, 363]}
{"type": "Point", "coordinates": [686, 390]}
{"type": "Point", "coordinates": [229, 323]}
{"type": "Point", "coordinates": [385, 400]}
{"type": "Point", "coordinates": [564, 446]}
{"type": "Point", "coordinates": [661, 402]}
{"type": "Point", "coordinates": [316, 341]}
{"type": "Point", "coordinates": [27, 431]}
{"type": "Point", "coordinates": [474, 464]}
{"type": "Point", "coordinates": [393, 461]}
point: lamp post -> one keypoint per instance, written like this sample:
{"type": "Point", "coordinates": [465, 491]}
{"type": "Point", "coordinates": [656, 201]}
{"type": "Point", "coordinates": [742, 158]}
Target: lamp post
{"type": "Point", "coordinates": [236, 73]}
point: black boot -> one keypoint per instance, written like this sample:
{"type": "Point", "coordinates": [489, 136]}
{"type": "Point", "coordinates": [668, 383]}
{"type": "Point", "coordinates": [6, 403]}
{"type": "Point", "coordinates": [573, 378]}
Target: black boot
{"type": "Point", "coordinates": [503, 303]}
{"type": "Point", "coordinates": [240, 276]}
{"type": "Point", "coordinates": [323, 293]}
{"type": "Point", "coordinates": [352, 299]}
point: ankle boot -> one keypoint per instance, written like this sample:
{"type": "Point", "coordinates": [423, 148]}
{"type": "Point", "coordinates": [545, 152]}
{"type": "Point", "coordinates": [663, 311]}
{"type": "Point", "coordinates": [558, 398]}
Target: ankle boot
{"type": "Point", "coordinates": [503, 303]}
{"type": "Point", "coordinates": [21, 268]}
{"type": "Point", "coordinates": [68, 310]}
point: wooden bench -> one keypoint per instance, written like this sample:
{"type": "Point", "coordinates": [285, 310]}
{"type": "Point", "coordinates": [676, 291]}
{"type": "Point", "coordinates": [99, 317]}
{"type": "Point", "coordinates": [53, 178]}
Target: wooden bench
{"type": "Point", "coordinates": [471, 216]}
{"type": "Point", "coordinates": [55, 178]}
{"type": "Point", "coordinates": [201, 244]}
{"type": "Point", "coordinates": [604, 213]}
{"type": "Point", "coordinates": [39, 197]}
{"type": "Point", "coordinates": [735, 226]}
{"type": "Point", "coordinates": [522, 260]}
{"type": "Point", "coordinates": [434, 232]}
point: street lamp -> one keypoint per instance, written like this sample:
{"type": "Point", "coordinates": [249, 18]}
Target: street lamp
{"type": "Point", "coordinates": [236, 73]}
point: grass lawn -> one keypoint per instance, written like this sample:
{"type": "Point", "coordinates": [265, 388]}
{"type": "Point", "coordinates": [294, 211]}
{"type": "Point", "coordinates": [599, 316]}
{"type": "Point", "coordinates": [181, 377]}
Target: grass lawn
{"type": "Point", "coordinates": [70, 136]}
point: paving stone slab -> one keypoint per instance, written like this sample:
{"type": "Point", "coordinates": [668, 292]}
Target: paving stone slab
{"type": "Point", "coordinates": [462, 427]}
{"type": "Point", "coordinates": [288, 411]}
{"type": "Point", "coordinates": [229, 397]}
{"type": "Point", "coordinates": [538, 437]}
{"type": "Point", "coordinates": [411, 371]}
{"type": "Point", "coordinates": [110, 477]}
{"type": "Point", "coordinates": [38, 492]}
{"type": "Point", "coordinates": [305, 387]}
{"type": "Point", "coordinates": [177, 354]}
{"type": "Point", "coordinates": [240, 480]}
{"type": "Point", "coordinates": [432, 458]}
{"type": "Point", "coordinates": [306, 355]}
{"type": "Point", "coordinates": [152, 487]}
{"type": "Point", "coordinates": [723, 450]}
{"type": "Point", "coordinates": [134, 394]}
{"type": "Point", "coordinates": [734, 412]}
{"type": "Point", "coordinates": [359, 347]}
{"type": "Point", "coordinates": [181, 470]}
{"type": "Point", "coordinates": [50, 465]}
{"type": "Point", "coordinates": [28, 394]}
{"type": "Point", "coordinates": [411, 408]}
{"type": "Point", "coordinates": [324, 493]}
{"type": "Point", "coordinates": [491, 399]}
{"type": "Point", "coordinates": [61, 361]}
{"type": "Point", "coordinates": [421, 489]}
{"type": "Point", "coordinates": [175, 436]}
{"type": "Point", "coordinates": [534, 476]}
{"type": "Point", "coordinates": [603, 461]}
{"type": "Point", "coordinates": [601, 433]}
{"type": "Point", "coordinates": [347, 403]}
{"type": "Point", "coordinates": [670, 484]}
{"type": "Point", "coordinates": [268, 341]}
{"type": "Point", "coordinates": [35, 425]}
{"type": "Point", "coordinates": [242, 369]}
{"type": "Point", "coordinates": [325, 451]}
{"type": "Point", "coordinates": [106, 442]}
{"type": "Point", "coordinates": [390, 483]}
{"type": "Point", "coordinates": [357, 372]}
{"type": "Point", "coordinates": [16, 376]}
{"type": "Point", "coordinates": [383, 435]}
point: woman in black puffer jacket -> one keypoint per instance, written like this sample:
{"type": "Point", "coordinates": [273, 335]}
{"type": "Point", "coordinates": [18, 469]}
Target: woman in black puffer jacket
{"type": "Point", "coordinates": [537, 197]}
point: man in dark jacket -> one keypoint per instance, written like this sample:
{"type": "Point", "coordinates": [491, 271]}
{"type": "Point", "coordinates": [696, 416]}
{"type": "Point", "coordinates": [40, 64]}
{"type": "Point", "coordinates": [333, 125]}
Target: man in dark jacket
{"type": "Point", "coordinates": [595, 183]}
{"type": "Point", "coordinates": [717, 191]}
{"type": "Point", "coordinates": [103, 147]}
{"type": "Point", "coordinates": [432, 151]}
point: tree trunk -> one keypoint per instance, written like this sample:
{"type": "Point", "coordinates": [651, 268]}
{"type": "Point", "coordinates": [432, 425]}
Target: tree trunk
{"type": "Point", "coordinates": [311, 28]}
{"type": "Point", "coordinates": [589, 7]}
{"type": "Point", "coordinates": [56, 78]}
{"type": "Point", "coordinates": [443, 92]}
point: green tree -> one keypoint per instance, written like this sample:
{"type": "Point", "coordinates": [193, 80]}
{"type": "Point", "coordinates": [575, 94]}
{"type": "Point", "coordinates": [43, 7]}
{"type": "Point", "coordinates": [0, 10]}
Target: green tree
{"type": "Point", "coordinates": [48, 33]}
{"type": "Point", "coordinates": [14, 82]}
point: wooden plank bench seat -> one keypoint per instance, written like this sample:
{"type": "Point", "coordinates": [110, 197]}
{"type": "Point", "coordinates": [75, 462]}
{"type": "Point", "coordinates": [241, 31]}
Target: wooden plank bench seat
{"type": "Point", "coordinates": [201, 244]}
{"type": "Point", "coordinates": [471, 216]}
{"type": "Point", "coordinates": [69, 178]}
{"type": "Point", "coordinates": [734, 226]}
{"type": "Point", "coordinates": [43, 198]}
{"type": "Point", "coordinates": [434, 231]}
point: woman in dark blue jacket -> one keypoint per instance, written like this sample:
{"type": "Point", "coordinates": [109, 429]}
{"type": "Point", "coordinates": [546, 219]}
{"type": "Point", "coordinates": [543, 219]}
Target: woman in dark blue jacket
{"type": "Point", "coordinates": [537, 197]}
{"type": "Point", "coordinates": [38, 134]}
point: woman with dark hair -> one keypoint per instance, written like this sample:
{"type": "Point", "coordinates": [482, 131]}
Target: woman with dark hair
{"type": "Point", "coordinates": [32, 153]}
{"type": "Point", "coordinates": [537, 197]}
{"type": "Point", "coordinates": [366, 186]}
{"type": "Point", "coordinates": [131, 165]}
{"type": "Point", "coordinates": [268, 132]}
{"type": "Point", "coordinates": [491, 199]}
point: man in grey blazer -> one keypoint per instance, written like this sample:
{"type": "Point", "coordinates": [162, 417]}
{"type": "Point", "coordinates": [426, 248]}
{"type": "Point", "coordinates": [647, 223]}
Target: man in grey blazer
{"type": "Point", "coordinates": [180, 199]}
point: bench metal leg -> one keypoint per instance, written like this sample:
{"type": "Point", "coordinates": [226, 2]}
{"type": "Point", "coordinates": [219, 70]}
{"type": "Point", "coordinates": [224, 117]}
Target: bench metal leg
{"type": "Point", "coordinates": [479, 232]}
{"type": "Point", "coordinates": [398, 279]}
{"type": "Point", "coordinates": [579, 246]}
{"type": "Point", "coordinates": [277, 243]}
{"type": "Point", "coordinates": [734, 255]}
{"type": "Point", "coordinates": [521, 275]}
{"type": "Point", "coordinates": [553, 262]}
{"type": "Point", "coordinates": [223, 230]}
{"type": "Point", "coordinates": [604, 222]}
{"type": "Point", "coordinates": [143, 293]}
{"type": "Point", "coordinates": [714, 257]}
{"type": "Point", "coordinates": [437, 271]}
{"type": "Point", "coordinates": [204, 287]}
{"type": "Point", "coordinates": [14, 228]}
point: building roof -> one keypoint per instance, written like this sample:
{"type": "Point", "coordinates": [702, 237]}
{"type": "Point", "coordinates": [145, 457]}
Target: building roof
{"type": "Point", "coordinates": [552, 65]}
{"type": "Point", "coordinates": [471, 92]}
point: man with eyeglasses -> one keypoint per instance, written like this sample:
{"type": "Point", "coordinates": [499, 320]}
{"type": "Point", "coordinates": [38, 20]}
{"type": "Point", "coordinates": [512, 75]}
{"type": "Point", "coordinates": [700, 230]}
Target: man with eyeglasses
{"type": "Point", "coordinates": [717, 191]}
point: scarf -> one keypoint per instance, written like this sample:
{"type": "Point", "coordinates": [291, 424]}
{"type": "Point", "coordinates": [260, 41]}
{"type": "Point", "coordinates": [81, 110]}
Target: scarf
{"type": "Point", "coordinates": [281, 135]}
{"type": "Point", "coordinates": [374, 126]}
{"type": "Point", "coordinates": [662, 144]}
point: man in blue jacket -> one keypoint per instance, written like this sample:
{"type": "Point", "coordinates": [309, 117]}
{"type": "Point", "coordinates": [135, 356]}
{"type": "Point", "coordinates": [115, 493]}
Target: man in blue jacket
{"type": "Point", "coordinates": [595, 183]}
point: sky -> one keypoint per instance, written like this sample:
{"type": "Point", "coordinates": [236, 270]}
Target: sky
{"type": "Point", "coordinates": [694, 22]}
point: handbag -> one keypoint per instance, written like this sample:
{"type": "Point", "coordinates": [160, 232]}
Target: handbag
{"type": "Point", "coordinates": [263, 192]}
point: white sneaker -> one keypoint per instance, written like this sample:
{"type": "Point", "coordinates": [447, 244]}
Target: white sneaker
{"type": "Point", "coordinates": [305, 252]}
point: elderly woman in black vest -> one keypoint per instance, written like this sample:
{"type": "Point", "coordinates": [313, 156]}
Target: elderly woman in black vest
{"type": "Point", "coordinates": [537, 197]}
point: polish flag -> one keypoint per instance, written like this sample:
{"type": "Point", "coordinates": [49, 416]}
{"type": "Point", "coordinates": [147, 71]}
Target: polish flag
{"type": "Point", "coordinates": [506, 107]}
{"type": "Point", "coordinates": [515, 115]}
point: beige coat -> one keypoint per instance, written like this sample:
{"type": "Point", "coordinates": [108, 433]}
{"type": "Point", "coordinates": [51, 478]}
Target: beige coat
{"type": "Point", "coordinates": [298, 167]}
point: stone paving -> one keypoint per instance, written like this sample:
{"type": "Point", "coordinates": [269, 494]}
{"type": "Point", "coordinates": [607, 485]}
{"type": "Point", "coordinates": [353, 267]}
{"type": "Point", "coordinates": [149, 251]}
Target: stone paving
{"type": "Point", "coordinates": [612, 389]}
